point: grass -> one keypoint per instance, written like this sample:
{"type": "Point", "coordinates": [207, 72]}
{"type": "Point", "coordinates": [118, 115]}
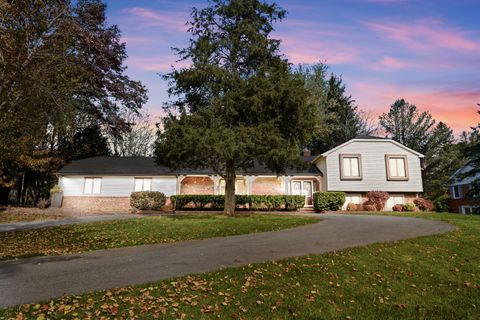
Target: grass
{"type": "Point", "coordinates": [131, 232]}
{"type": "Point", "coordinates": [8, 217]}
{"type": "Point", "coordinates": [434, 277]}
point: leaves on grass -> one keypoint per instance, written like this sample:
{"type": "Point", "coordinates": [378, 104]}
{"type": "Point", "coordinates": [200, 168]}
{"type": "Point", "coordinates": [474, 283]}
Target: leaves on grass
{"type": "Point", "coordinates": [121, 233]}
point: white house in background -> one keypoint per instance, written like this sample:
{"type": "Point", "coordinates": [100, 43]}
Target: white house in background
{"type": "Point", "coordinates": [461, 185]}
{"type": "Point", "coordinates": [356, 167]}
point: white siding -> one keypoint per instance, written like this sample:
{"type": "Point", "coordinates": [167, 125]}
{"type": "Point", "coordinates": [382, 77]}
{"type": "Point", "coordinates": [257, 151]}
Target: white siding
{"type": "Point", "coordinates": [322, 166]}
{"type": "Point", "coordinates": [115, 186]}
{"type": "Point", "coordinates": [374, 168]}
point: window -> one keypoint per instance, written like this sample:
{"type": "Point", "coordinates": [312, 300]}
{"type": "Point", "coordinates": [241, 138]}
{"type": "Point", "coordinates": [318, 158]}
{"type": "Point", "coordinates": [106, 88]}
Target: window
{"type": "Point", "coordinates": [92, 185]}
{"type": "Point", "coordinates": [143, 184]}
{"type": "Point", "coordinates": [350, 167]}
{"type": "Point", "coordinates": [456, 192]}
{"type": "Point", "coordinates": [240, 186]}
{"type": "Point", "coordinates": [397, 168]}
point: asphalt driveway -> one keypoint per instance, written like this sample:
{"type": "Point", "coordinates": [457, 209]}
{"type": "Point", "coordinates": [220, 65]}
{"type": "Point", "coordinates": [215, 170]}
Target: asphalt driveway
{"type": "Point", "coordinates": [38, 279]}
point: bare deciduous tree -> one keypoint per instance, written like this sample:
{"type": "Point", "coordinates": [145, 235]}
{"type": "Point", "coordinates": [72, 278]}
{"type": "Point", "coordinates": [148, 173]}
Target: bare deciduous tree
{"type": "Point", "coordinates": [138, 139]}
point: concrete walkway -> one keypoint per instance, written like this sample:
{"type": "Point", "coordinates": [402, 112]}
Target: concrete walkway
{"type": "Point", "coordinates": [39, 279]}
{"type": "Point", "coordinates": [20, 226]}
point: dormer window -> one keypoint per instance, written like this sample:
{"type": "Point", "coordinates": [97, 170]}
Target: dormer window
{"type": "Point", "coordinates": [397, 167]}
{"type": "Point", "coordinates": [350, 167]}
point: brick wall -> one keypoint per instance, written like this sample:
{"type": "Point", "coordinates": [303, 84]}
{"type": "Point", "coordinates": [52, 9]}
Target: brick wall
{"type": "Point", "coordinates": [94, 205]}
{"type": "Point", "coordinates": [97, 204]}
{"type": "Point", "coordinates": [196, 185]}
{"type": "Point", "coordinates": [455, 204]}
{"type": "Point", "coordinates": [267, 185]}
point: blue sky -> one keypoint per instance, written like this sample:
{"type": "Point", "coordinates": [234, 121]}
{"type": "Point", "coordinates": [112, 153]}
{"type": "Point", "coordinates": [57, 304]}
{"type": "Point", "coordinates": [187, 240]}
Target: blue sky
{"type": "Point", "coordinates": [427, 52]}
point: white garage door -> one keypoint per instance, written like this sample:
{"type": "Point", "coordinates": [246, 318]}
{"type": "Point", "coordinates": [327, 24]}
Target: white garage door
{"type": "Point", "coordinates": [393, 200]}
{"type": "Point", "coordinates": [352, 198]}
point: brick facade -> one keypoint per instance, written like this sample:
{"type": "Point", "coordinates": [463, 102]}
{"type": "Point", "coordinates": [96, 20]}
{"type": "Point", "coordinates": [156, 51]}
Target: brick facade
{"type": "Point", "coordinates": [456, 204]}
{"type": "Point", "coordinates": [197, 185]}
{"type": "Point", "coordinates": [92, 204]}
{"type": "Point", "coordinates": [268, 185]}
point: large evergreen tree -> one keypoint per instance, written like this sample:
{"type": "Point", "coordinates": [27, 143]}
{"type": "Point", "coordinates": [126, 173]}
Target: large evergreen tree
{"type": "Point", "coordinates": [405, 124]}
{"type": "Point", "coordinates": [239, 101]}
{"type": "Point", "coordinates": [338, 117]}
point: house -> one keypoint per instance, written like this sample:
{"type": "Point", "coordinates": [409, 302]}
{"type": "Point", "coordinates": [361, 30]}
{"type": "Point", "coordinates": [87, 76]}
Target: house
{"type": "Point", "coordinates": [360, 165]}
{"type": "Point", "coordinates": [459, 188]}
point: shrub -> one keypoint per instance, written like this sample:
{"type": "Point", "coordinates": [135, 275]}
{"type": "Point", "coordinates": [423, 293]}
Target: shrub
{"type": "Point", "coordinates": [441, 204]}
{"type": "Point", "coordinates": [254, 202]}
{"type": "Point", "coordinates": [360, 207]}
{"type": "Point", "coordinates": [409, 207]}
{"type": "Point", "coordinates": [377, 199]}
{"type": "Point", "coordinates": [147, 200]}
{"type": "Point", "coordinates": [398, 207]}
{"type": "Point", "coordinates": [369, 207]}
{"type": "Point", "coordinates": [328, 201]}
{"type": "Point", "coordinates": [423, 204]}
{"type": "Point", "coordinates": [352, 207]}
{"type": "Point", "coordinates": [56, 188]}
{"type": "Point", "coordinates": [43, 203]}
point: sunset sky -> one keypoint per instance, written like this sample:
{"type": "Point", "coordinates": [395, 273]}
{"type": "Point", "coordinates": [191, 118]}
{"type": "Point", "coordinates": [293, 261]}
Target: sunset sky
{"type": "Point", "coordinates": [427, 52]}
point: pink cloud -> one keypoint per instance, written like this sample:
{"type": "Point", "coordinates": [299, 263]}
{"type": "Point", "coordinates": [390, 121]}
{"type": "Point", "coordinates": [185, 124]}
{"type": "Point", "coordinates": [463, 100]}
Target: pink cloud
{"type": "Point", "coordinates": [457, 108]}
{"type": "Point", "coordinates": [174, 21]}
{"type": "Point", "coordinates": [156, 64]}
{"type": "Point", "coordinates": [309, 48]}
{"type": "Point", "coordinates": [427, 35]}
{"type": "Point", "coordinates": [391, 63]}
{"type": "Point", "coordinates": [136, 40]}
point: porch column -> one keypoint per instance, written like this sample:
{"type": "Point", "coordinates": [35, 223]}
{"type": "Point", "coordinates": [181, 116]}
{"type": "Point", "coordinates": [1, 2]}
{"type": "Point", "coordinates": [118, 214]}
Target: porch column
{"type": "Point", "coordinates": [286, 181]}
{"type": "Point", "coordinates": [216, 184]}
{"type": "Point", "coordinates": [250, 180]}
{"type": "Point", "coordinates": [179, 182]}
{"type": "Point", "coordinates": [319, 182]}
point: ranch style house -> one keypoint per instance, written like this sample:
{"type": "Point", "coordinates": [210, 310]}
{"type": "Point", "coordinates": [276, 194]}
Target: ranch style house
{"type": "Point", "coordinates": [363, 164]}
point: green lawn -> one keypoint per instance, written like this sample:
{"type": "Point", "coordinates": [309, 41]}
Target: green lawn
{"type": "Point", "coordinates": [434, 277]}
{"type": "Point", "coordinates": [131, 232]}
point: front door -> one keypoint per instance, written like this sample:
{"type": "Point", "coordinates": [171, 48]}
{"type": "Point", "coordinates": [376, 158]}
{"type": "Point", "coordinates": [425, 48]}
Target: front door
{"type": "Point", "coordinates": [303, 188]}
{"type": "Point", "coordinates": [307, 192]}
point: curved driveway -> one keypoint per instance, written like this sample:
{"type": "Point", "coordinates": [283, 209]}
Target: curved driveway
{"type": "Point", "coordinates": [36, 279]}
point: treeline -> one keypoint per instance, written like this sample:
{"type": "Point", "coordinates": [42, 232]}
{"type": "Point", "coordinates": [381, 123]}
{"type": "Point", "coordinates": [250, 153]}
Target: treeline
{"type": "Point", "coordinates": [64, 93]}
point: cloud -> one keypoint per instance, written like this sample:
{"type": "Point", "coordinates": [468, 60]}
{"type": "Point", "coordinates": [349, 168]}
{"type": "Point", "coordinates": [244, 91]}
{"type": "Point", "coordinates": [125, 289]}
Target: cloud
{"type": "Point", "coordinates": [427, 35]}
{"type": "Point", "coordinates": [173, 21]}
{"type": "Point", "coordinates": [456, 107]}
{"type": "Point", "coordinates": [161, 64]}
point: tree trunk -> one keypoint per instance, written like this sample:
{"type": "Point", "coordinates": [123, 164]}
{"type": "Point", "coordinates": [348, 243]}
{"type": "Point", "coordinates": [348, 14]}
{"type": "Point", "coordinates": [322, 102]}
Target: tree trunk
{"type": "Point", "coordinates": [230, 189]}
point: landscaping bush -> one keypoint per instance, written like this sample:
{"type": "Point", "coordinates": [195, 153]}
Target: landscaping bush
{"type": "Point", "coordinates": [147, 200]}
{"type": "Point", "coordinates": [328, 201]}
{"type": "Point", "coordinates": [423, 204]}
{"type": "Point", "coordinates": [369, 207]}
{"type": "Point", "coordinates": [360, 207]}
{"type": "Point", "coordinates": [398, 207]}
{"type": "Point", "coordinates": [440, 204]}
{"type": "Point", "coordinates": [377, 199]}
{"type": "Point", "coordinates": [254, 202]}
{"type": "Point", "coordinates": [409, 207]}
{"type": "Point", "coordinates": [352, 207]}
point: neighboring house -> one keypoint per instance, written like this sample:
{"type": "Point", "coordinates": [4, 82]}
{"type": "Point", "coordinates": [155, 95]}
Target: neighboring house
{"type": "Point", "coordinates": [360, 165]}
{"type": "Point", "coordinates": [459, 187]}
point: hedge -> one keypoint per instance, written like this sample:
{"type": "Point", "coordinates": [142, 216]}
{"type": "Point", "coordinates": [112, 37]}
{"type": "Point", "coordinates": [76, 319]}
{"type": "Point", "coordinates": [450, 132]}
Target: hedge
{"type": "Point", "coordinates": [249, 202]}
{"type": "Point", "coordinates": [328, 201]}
{"type": "Point", "coordinates": [147, 200]}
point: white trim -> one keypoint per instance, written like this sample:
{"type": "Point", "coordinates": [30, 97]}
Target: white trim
{"type": "Point", "coordinates": [459, 189]}
{"type": "Point", "coordinates": [418, 154]}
